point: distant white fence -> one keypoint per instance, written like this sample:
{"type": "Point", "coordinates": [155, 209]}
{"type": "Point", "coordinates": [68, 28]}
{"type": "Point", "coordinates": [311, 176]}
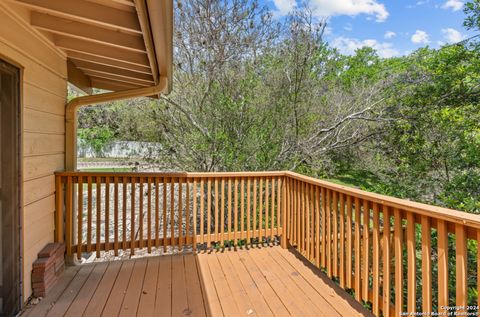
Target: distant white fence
{"type": "Point", "coordinates": [118, 149]}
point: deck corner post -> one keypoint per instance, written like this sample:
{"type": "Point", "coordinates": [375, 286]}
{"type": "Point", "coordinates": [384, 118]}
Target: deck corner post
{"type": "Point", "coordinates": [283, 242]}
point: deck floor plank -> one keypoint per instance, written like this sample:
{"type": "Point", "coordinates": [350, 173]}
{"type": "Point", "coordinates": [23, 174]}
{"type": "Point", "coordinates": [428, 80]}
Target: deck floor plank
{"type": "Point", "coordinates": [229, 307]}
{"type": "Point", "coordinates": [100, 297]}
{"type": "Point", "coordinates": [63, 303]}
{"type": "Point", "coordinates": [282, 286]}
{"type": "Point", "coordinates": [210, 296]}
{"type": "Point", "coordinates": [194, 289]}
{"type": "Point", "coordinates": [163, 301]}
{"type": "Point", "coordinates": [179, 289]}
{"type": "Point", "coordinates": [346, 307]}
{"type": "Point", "coordinates": [268, 293]}
{"type": "Point", "coordinates": [134, 289]}
{"type": "Point", "coordinates": [310, 293]}
{"type": "Point", "coordinates": [240, 296]}
{"type": "Point", "coordinates": [261, 306]}
{"type": "Point", "coordinates": [114, 302]}
{"type": "Point", "coordinates": [146, 306]}
{"type": "Point", "coordinates": [267, 281]}
{"type": "Point", "coordinates": [85, 294]}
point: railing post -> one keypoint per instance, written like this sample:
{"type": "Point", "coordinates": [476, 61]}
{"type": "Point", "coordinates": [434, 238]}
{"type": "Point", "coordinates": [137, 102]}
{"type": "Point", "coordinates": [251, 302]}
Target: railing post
{"type": "Point", "coordinates": [58, 209]}
{"type": "Point", "coordinates": [284, 213]}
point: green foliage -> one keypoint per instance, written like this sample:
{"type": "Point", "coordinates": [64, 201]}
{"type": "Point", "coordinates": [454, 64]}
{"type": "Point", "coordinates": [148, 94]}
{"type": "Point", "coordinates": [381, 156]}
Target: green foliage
{"type": "Point", "coordinates": [472, 10]}
{"type": "Point", "coordinates": [96, 138]}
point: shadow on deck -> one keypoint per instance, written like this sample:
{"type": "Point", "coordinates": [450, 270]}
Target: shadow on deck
{"type": "Point", "coordinates": [266, 281]}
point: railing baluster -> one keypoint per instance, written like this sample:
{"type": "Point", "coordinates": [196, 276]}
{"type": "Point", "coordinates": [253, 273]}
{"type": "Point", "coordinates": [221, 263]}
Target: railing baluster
{"type": "Point", "coordinates": [89, 214]}
{"type": "Point", "coordinates": [307, 220]}
{"type": "Point", "coordinates": [107, 213]}
{"type": "Point", "coordinates": [311, 232]}
{"type": "Point", "coordinates": [209, 212]}
{"type": "Point", "coordinates": [187, 212]}
{"type": "Point", "coordinates": [157, 212]}
{"type": "Point", "coordinates": [172, 211]}
{"type": "Point", "coordinates": [242, 208]}
{"type": "Point", "coordinates": [272, 210]}
{"type": "Point", "coordinates": [342, 240]}
{"type": "Point", "coordinates": [298, 217]}
{"type": "Point", "coordinates": [284, 212]}
{"type": "Point", "coordinates": [302, 216]}
{"type": "Point", "coordinates": [59, 231]}
{"type": "Point", "coordinates": [115, 216]}
{"type": "Point", "coordinates": [149, 214]}
{"type": "Point", "coordinates": [386, 261]}
{"type": "Point", "coordinates": [222, 217]}
{"type": "Point", "coordinates": [335, 233]}
{"type": "Point", "coordinates": [98, 199]}
{"type": "Point", "coordinates": [461, 267]}
{"type": "Point", "coordinates": [80, 218]}
{"type": "Point", "coordinates": [398, 240]}
{"type": "Point", "coordinates": [235, 212]}
{"type": "Point", "coordinates": [132, 215]}
{"type": "Point", "coordinates": [194, 214]}
{"type": "Point", "coordinates": [349, 242]}
{"type": "Point", "coordinates": [267, 205]}
{"type": "Point", "coordinates": [164, 203]}
{"type": "Point", "coordinates": [248, 227]}
{"type": "Point", "coordinates": [180, 214]}
{"type": "Point", "coordinates": [412, 271]}
{"type": "Point", "coordinates": [229, 210]}
{"type": "Point", "coordinates": [426, 265]}
{"type": "Point", "coordinates": [366, 249]}
{"type": "Point", "coordinates": [216, 210]}
{"type": "Point", "coordinates": [358, 261]}
{"type": "Point", "coordinates": [329, 234]}
{"type": "Point", "coordinates": [317, 227]}
{"type": "Point", "coordinates": [324, 226]}
{"type": "Point", "coordinates": [68, 215]}
{"type": "Point", "coordinates": [140, 213]}
{"type": "Point", "coordinates": [442, 265]}
{"type": "Point", "coordinates": [376, 260]}
{"type": "Point", "coordinates": [254, 224]}
{"type": "Point", "coordinates": [124, 213]}
{"type": "Point", "coordinates": [260, 212]}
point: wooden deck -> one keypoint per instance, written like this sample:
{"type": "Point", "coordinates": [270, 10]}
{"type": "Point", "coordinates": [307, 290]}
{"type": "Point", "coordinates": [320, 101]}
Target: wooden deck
{"type": "Point", "coordinates": [267, 281]}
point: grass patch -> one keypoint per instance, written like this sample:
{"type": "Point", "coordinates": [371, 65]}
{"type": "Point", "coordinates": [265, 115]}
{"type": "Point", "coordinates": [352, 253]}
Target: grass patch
{"type": "Point", "coordinates": [355, 178]}
{"type": "Point", "coordinates": [107, 169]}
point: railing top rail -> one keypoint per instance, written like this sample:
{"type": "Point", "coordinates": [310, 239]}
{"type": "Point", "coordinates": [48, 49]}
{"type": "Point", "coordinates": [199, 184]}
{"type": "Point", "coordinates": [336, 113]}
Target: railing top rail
{"type": "Point", "coordinates": [174, 174]}
{"type": "Point", "coordinates": [450, 215]}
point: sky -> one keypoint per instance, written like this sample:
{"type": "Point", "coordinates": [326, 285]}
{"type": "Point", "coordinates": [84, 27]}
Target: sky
{"type": "Point", "coordinates": [392, 27]}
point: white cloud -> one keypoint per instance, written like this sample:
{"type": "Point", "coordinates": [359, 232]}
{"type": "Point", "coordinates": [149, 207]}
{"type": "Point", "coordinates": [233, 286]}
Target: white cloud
{"type": "Point", "coordinates": [284, 6]}
{"type": "Point", "coordinates": [420, 37]}
{"type": "Point", "coordinates": [417, 4]}
{"type": "Point", "coordinates": [323, 8]}
{"type": "Point", "coordinates": [390, 34]}
{"type": "Point", "coordinates": [451, 35]}
{"type": "Point", "coordinates": [348, 46]}
{"type": "Point", "coordinates": [455, 5]}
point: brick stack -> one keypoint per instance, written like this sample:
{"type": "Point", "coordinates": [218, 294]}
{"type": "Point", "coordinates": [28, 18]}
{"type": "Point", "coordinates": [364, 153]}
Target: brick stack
{"type": "Point", "coordinates": [47, 268]}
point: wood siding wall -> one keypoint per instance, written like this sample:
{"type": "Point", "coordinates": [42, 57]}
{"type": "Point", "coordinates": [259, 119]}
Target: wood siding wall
{"type": "Point", "coordinates": [44, 87]}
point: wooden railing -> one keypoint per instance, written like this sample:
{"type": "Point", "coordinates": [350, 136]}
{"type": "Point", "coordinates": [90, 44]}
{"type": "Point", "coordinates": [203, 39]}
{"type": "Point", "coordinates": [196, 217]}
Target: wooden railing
{"type": "Point", "coordinates": [396, 255]}
{"type": "Point", "coordinates": [131, 211]}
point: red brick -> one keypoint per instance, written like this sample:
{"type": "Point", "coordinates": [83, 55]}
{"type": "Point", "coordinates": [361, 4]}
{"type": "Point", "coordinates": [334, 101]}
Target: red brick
{"type": "Point", "coordinates": [40, 276]}
{"type": "Point", "coordinates": [48, 250]}
{"type": "Point", "coordinates": [43, 264]}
